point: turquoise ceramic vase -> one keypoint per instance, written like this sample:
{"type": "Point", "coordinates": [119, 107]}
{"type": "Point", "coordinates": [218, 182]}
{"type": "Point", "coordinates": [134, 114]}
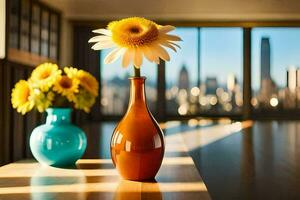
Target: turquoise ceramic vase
{"type": "Point", "coordinates": [58, 143]}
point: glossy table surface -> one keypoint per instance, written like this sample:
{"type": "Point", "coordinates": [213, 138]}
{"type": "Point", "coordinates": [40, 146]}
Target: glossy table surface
{"type": "Point", "coordinates": [96, 178]}
{"type": "Point", "coordinates": [236, 160]}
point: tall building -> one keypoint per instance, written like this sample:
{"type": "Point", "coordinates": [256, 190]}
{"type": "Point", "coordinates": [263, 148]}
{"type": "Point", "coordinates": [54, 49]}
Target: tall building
{"type": "Point", "coordinates": [211, 84]}
{"type": "Point", "coordinates": [265, 68]}
{"type": "Point", "coordinates": [183, 82]}
{"type": "Point", "coordinates": [292, 78]}
{"type": "Point", "coordinates": [231, 82]}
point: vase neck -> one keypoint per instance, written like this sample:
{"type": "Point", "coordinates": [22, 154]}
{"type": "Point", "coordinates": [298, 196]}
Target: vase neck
{"type": "Point", "coordinates": [58, 115]}
{"type": "Point", "coordinates": [137, 91]}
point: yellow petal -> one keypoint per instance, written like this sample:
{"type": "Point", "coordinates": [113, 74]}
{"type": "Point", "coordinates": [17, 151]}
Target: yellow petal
{"type": "Point", "coordinates": [113, 55]}
{"type": "Point", "coordinates": [148, 54]}
{"type": "Point", "coordinates": [171, 37]}
{"type": "Point", "coordinates": [138, 58]}
{"type": "Point", "coordinates": [166, 44]}
{"type": "Point", "coordinates": [157, 60]}
{"type": "Point", "coordinates": [161, 52]}
{"type": "Point", "coordinates": [103, 45]}
{"type": "Point", "coordinates": [99, 38]}
{"type": "Point", "coordinates": [172, 43]}
{"type": "Point", "coordinates": [127, 57]}
{"type": "Point", "coordinates": [166, 29]}
{"type": "Point", "coordinates": [102, 31]}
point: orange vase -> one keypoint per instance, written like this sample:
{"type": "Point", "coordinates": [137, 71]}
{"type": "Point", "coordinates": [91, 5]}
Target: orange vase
{"type": "Point", "coordinates": [137, 144]}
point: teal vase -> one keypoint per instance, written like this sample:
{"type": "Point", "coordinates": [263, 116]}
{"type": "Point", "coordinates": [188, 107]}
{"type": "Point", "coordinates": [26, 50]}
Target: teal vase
{"type": "Point", "coordinates": [58, 143]}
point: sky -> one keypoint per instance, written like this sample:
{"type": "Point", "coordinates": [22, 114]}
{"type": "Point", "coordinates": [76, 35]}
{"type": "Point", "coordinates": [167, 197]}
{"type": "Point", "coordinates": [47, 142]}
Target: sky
{"type": "Point", "coordinates": [221, 54]}
{"type": "Point", "coordinates": [285, 52]}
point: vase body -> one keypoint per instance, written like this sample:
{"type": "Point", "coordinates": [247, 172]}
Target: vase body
{"type": "Point", "coordinates": [58, 142]}
{"type": "Point", "coordinates": [137, 143]}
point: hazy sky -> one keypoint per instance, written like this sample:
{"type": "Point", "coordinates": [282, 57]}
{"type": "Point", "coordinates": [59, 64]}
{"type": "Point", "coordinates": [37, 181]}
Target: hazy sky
{"type": "Point", "coordinates": [285, 51]}
{"type": "Point", "coordinates": [221, 53]}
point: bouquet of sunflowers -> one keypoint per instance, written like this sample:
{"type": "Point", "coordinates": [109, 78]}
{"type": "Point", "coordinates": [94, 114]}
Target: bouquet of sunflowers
{"type": "Point", "coordinates": [50, 86]}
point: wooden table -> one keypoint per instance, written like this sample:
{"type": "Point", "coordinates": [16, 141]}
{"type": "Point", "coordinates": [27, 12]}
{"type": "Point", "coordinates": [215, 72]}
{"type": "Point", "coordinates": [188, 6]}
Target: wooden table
{"type": "Point", "coordinates": [178, 178]}
{"type": "Point", "coordinates": [237, 160]}
{"type": "Point", "coordinates": [261, 161]}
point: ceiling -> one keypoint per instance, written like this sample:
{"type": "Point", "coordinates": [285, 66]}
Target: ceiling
{"type": "Point", "coordinates": [179, 9]}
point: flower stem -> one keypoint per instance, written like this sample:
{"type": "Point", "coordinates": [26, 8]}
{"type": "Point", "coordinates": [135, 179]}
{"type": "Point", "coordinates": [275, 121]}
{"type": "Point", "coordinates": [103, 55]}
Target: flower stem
{"type": "Point", "coordinates": [137, 72]}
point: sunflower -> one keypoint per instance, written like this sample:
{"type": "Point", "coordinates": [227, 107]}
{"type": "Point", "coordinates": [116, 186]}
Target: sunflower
{"type": "Point", "coordinates": [44, 76]}
{"type": "Point", "coordinates": [84, 100]}
{"type": "Point", "coordinates": [134, 37]}
{"type": "Point", "coordinates": [71, 72]}
{"type": "Point", "coordinates": [86, 80]}
{"type": "Point", "coordinates": [66, 87]}
{"type": "Point", "coordinates": [21, 97]}
{"type": "Point", "coordinates": [42, 100]}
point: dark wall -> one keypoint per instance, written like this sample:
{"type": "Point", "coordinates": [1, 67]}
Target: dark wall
{"type": "Point", "coordinates": [15, 128]}
{"type": "Point", "coordinates": [86, 59]}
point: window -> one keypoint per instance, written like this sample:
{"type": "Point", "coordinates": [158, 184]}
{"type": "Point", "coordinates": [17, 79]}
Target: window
{"type": "Point", "coordinates": [115, 86]}
{"type": "Point", "coordinates": [205, 76]}
{"type": "Point", "coordinates": [35, 29]}
{"type": "Point", "coordinates": [275, 68]}
{"type": "Point", "coordinates": [221, 70]}
{"type": "Point", "coordinates": [14, 10]}
{"type": "Point", "coordinates": [45, 33]}
{"type": "Point", "coordinates": [182, 74]}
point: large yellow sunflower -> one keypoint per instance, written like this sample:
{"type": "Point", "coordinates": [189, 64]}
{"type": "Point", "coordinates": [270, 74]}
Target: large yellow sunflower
{"type": "Point", "coordinates": [71, 72]}
{"type": "Point", "coordinates": [66, 87]}
{"type": "Point", "coordinates": [134, 37]}
{"type": "Point", "coordinates": [21, 97]}
{"type": "Point", "coordinates": [44, 76]}
{"type": "Point", "coordinates": [86, 80]}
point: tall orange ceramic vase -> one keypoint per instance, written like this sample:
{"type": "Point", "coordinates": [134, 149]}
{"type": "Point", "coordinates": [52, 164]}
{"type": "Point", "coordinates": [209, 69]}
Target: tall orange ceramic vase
{"type": "Point", "coordinates": [137, 144]}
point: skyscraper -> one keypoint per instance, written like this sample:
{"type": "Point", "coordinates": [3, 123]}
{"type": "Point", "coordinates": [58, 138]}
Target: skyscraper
{"type": "Point", "coordinates": [211, 85]}
{"type": "Point", "coordinates": [231, 82]}
{"type": "Point", "coordinates": [183, 82]}
{"type": "Point", "coordinates": [265, 67]}
{"type": "Point", "coordinates": [292, 79]}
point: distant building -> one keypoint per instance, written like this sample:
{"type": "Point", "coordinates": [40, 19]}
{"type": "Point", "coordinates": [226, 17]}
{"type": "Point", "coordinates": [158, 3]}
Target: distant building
{"type": "Point", "coordinates": [231, 82]}
{"type": "Point", "coordinates": [265, 68]}
{"type": "Point", "coordinates": [292, 78]}
{"type": "Point", "coordinates": [183, 81]}
{"type": "Point", "coordinates": [211, 84]}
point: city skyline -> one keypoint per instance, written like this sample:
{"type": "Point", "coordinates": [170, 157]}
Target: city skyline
{"type": "Point", "coordinates": [283, 42]}
{"type": "Point", "coordinates": [220, 88]}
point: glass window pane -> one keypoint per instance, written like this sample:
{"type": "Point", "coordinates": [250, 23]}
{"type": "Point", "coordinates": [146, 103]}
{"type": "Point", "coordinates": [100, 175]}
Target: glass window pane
{"type": "Point", "coordinates": [45, 33]}
{"type": "Point", "coordinates": [53, 36]}
{"type": "Point", "coordinates": [115, 85]}
{"type": "Point", "coordinates": [221, 71]}
{"type": "Point", "coordinates": [181, 74]}
{"type": "Point", "coordinates": [13, 23]}
{"type": "Point", "coordinates": [275, 68]}
{"type": "Point", "coordinates": [24, 38]}
{"type": "Point", "coordinates": [35, 29]}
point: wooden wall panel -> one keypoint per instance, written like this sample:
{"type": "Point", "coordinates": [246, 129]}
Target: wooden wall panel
{"type": "Point", "coordinates": [7, 117]}
{"type": "Point", "coordinates": [15, 128]}
{"type": "Point", "coordinates": [18, 120]}
{"type": "Point", "coordinates": [1, 113]}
